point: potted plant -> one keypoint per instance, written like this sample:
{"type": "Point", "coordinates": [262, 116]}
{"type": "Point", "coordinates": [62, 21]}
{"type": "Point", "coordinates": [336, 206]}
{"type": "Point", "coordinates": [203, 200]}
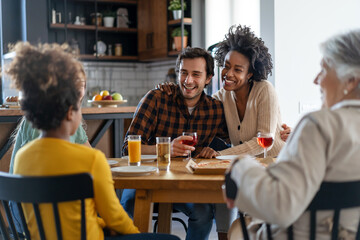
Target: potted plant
{"type": "Point", "coordinates": [109, 17]}
{"type": "Point", "coordinates": [175, 7]}
{"type": "Point", "coordinates": [176, 35]}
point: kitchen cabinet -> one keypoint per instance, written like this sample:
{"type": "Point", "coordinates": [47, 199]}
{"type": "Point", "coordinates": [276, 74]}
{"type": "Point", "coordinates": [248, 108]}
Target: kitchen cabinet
{"type": "Point", "coordinates": [152, 29]}
{"type": "Point", "coordinates": [155, 23]}
{"type": "Point", "coordinates": [82, 36]}
{"type": "Point", "coordinates": [148, 37]}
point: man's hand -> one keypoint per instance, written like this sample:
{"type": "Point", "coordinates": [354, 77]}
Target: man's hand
{"type": "Point", "coordinates": [180, 149]}
{"type": "Point", "coordinates": [284, 134]}
{"type": "Point", "coordinates": [166, 87]}
{"type": "Point", "coordinates": [208, 152]}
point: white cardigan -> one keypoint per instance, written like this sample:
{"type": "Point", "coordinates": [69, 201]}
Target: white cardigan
{"type": "Point", "coordinates": [262, 114]}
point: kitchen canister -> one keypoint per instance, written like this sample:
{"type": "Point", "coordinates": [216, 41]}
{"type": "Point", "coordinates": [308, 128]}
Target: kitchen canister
{"type": "Point", "coordinates": [118, 49]}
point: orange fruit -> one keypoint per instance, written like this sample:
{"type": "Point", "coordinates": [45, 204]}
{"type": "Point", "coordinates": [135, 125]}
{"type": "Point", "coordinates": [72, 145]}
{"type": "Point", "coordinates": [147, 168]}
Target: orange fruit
{"type": "Point", "coordinates": [97, 97]}
{"type": "Point", "coordinates": [104, 93]}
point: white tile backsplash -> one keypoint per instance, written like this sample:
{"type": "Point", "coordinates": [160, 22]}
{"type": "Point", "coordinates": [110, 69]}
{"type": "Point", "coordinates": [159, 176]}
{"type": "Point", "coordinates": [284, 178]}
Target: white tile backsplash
{"type": "Point", "coordinates": [132, 80]}
{"type": "Point", "coordinates": [128, 74]}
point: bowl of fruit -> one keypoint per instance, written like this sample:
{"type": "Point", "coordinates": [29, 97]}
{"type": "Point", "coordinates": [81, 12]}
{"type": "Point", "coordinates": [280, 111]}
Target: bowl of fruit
{"type": "Point", "coordinates": [105, 99]}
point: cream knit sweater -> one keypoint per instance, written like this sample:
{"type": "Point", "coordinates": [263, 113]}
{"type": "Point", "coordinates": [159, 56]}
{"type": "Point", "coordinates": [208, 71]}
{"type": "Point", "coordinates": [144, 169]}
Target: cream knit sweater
{"type": "Point", "coordinates": [262, 114]}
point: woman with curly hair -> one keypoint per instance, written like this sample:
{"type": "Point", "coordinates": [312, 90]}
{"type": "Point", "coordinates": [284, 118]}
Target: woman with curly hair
{"type": "Point", "coordinates": [249, 100]}
{"type": "Point", "coordinates": [52, 83]}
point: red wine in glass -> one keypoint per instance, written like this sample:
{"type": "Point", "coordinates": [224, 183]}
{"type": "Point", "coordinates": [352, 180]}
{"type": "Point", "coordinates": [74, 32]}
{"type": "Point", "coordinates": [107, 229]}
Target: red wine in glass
{"type": "Point", "coordinates": [192, 142]}
{"type": "Point", "coordinates": [265, 140]}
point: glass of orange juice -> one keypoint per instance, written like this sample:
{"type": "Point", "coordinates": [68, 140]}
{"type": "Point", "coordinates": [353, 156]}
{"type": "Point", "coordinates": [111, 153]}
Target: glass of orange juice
{"type": "Point", "coordinates": [134, 148]}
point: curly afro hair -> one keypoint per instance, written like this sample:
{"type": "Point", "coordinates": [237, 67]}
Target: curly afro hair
{"type": "Point", "coordinates": [243, 40]}
{"type": "Point", "coordinates": [49, 79]}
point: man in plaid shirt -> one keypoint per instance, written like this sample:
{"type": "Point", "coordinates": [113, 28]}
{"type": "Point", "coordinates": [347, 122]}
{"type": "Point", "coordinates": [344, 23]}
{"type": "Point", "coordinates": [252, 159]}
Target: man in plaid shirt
{"type": "Point", "coordinates": [188, 110]}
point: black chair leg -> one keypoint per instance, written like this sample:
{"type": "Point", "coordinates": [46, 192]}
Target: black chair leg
{"type": "Point", "coordinates": [180, 221]}
{"type": "Point", "coordinates": [155, 226]}
{"type": "Point", "coordinates": [155, 218]}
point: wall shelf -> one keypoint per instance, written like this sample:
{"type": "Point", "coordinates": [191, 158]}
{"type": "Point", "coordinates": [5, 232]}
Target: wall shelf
{"type": "Point", "coordinates": [113, 58]}
{"type": "Point", "coordinates": [84, 37]}
{"type": "Point", "coordinates": [177, 22]}
{"type": "Point", "coordinates": [129, 2]}
{"type": "Point", "coordinates": [93, 28]}
{"type": "Point", "coordinates": [173, 53]}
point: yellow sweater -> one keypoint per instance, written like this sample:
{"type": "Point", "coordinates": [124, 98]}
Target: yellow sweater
{"type": "Point", "coordinates": [51, 156]}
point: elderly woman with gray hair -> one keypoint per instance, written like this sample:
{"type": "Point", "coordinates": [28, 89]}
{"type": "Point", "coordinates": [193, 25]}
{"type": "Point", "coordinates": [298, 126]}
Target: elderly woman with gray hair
{"type": "Point", "coordinates": [323, 147]}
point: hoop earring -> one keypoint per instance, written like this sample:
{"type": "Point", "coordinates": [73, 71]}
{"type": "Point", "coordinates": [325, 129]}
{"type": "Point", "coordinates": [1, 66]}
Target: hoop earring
{"type": "Point", "coordinates": [346, 91]}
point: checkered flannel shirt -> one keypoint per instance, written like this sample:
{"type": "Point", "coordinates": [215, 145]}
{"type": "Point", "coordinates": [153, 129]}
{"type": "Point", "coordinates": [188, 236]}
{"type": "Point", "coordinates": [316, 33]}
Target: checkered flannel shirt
{"type": "Point", "coordinates": [161, 115]}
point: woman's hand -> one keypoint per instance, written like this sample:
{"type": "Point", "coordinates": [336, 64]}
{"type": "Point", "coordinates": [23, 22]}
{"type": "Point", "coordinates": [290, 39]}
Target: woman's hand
{"type": "Point", "coordinates": [180, 149]}
{"type": "Point", "coordinates": [167, 87]}
{"type": "Point", "coordinates": [284, 134]}
{"type": "Point", "coordinates": [208, 152]}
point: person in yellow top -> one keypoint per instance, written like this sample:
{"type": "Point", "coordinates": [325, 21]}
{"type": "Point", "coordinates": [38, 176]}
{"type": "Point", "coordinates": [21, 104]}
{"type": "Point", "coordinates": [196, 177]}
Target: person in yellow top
{"type": "Point", "coordinates": [52, 83]}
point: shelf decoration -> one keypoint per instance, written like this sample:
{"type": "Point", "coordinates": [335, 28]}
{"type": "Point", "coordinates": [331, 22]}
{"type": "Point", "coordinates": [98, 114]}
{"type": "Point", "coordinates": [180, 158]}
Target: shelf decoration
{"type": "Point", "coordinates": [175, 7]}
{"type": "Point", "coordinates": [176, 34]}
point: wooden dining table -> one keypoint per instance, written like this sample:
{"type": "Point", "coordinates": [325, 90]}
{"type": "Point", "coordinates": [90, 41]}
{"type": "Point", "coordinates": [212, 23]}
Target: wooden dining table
{"type": "Point", "coordinates": [177, 185]}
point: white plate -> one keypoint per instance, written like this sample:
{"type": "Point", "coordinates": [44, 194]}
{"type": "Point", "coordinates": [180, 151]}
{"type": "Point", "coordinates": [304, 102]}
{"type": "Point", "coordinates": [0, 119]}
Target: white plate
{"type": "Point", "coordinates": [144, 158]}
{"type": "Point", "coordinates": [227, 157]}
{"type": "Point", "coordinates": [134, 170]}
{"type": "Point", "coordinates": [112, 162]}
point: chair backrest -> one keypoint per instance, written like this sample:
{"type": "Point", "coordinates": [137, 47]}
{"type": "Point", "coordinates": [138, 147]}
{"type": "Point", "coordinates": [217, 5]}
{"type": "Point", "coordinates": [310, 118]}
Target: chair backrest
{"type": "Point", "coordinates": [331, 196]}
{"type": "Point", "coordinates": [37, 190]}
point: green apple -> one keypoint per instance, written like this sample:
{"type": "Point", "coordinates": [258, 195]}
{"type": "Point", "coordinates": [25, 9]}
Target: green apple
{"type": "Point", "coordinates": [116, 96]}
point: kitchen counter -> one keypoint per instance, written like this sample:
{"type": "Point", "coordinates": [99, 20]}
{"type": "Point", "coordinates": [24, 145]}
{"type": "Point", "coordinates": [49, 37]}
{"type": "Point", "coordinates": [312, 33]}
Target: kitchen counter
{"type": "Point", "coordinates": [85, 110]}
{"type": "Point", "coordinates": [105, 128]}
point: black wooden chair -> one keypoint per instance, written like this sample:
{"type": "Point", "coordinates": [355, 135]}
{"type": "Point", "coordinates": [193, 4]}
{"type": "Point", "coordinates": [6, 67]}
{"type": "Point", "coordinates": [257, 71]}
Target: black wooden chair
{"type": "Point", "coordinates": [331, 196]}
{"type": "Point", "coordinates": [36, 190]}
{"type": "Point", "coordinates": [55, 189]}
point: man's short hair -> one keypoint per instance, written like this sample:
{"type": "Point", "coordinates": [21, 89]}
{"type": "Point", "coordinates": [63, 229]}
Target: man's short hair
{"type": "Point", "coordinates": [192, 53]}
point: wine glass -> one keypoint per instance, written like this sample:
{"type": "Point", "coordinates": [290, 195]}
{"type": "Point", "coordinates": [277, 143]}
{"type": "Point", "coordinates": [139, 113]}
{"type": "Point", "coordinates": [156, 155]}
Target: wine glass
{"type": "Point", "coordinates": [265, 140]}
{"type": "Point", "coordinates": [190, 142]}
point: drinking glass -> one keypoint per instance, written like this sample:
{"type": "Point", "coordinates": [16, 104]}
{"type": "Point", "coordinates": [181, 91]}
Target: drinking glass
{"type": "Point", "coordinates": [190, 142]}
{"type": "Point", "coordinates": [163, 152]}
{"type": "Point", "coordinates": [265, 140]}
{"type": "Point", "coordinates": [134, 148]}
